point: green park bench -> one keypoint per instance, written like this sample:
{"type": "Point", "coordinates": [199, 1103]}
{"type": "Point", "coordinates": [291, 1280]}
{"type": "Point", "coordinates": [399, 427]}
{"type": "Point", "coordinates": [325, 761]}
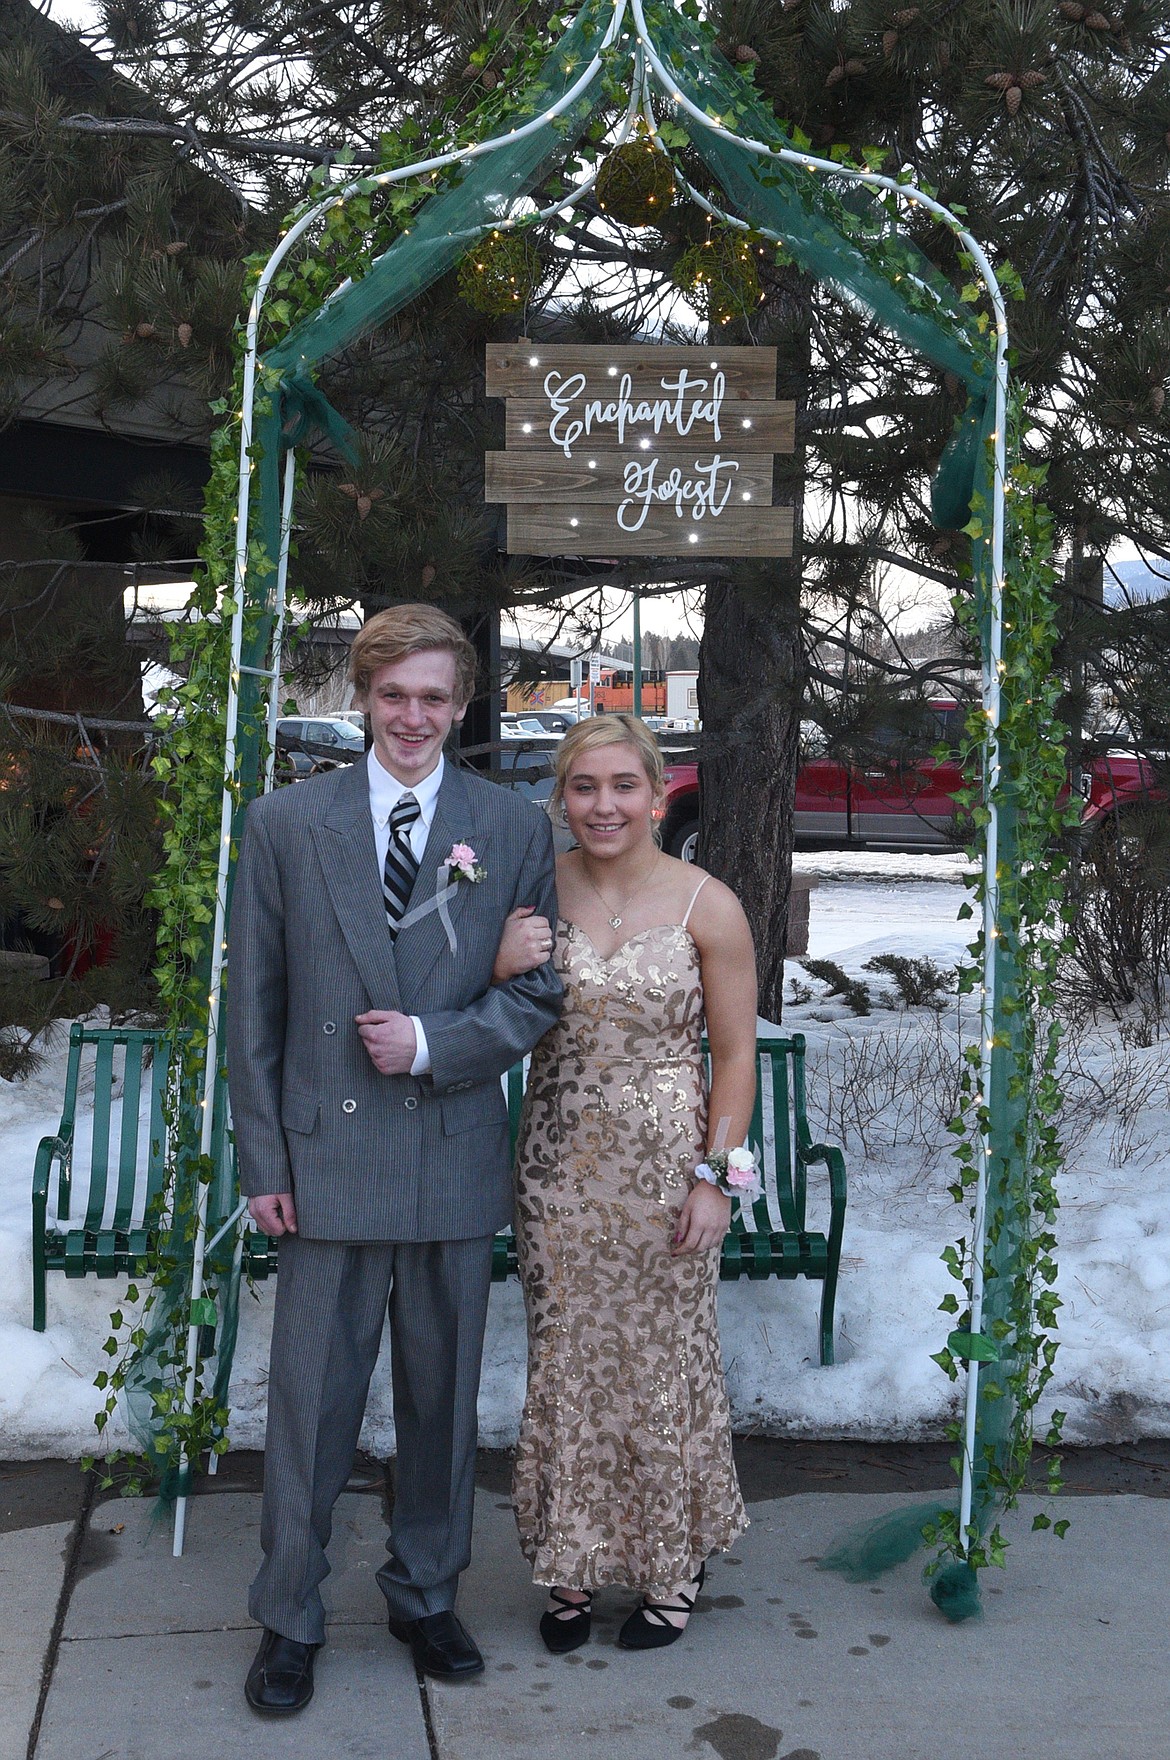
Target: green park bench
{"type": "Point", "coordinates": [120, 1164]}
{"type": "Point", "coordinates": [117, 1164]}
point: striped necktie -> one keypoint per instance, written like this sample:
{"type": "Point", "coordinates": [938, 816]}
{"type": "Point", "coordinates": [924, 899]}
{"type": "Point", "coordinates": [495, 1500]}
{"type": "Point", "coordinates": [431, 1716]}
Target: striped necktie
{"type": "Point", "coordinates": [401, 863]}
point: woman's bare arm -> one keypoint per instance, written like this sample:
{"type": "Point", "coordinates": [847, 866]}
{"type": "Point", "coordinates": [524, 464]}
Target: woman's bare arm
{"type": "Point", "coordinates": [728, 963]}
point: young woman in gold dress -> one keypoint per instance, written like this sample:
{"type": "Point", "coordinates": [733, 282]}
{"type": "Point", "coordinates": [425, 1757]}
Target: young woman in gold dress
{"type": "Point", "coordinates": [624, 1472]}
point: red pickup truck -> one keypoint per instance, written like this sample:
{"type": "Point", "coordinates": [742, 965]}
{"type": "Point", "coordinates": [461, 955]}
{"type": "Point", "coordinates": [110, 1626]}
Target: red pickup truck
{"type": "Point", "coordinates": [899, 804]}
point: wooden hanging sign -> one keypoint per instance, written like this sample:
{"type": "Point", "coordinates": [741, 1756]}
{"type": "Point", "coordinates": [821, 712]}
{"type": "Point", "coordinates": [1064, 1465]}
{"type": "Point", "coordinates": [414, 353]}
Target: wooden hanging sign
{"type": "Point", "coordinates": [639, 451]}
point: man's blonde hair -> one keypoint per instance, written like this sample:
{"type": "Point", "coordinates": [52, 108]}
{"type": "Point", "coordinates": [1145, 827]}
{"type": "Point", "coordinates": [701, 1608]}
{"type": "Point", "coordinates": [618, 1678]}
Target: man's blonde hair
{"type": "Point", "coordinates": [410, 629]}
{"type": "Point", "coordinates": [607, 730]}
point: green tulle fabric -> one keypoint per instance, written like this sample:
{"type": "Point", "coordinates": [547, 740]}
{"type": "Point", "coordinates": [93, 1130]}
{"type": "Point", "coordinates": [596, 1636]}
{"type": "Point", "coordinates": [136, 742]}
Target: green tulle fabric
{"type": "Point", "coordinates": [868, 1551]}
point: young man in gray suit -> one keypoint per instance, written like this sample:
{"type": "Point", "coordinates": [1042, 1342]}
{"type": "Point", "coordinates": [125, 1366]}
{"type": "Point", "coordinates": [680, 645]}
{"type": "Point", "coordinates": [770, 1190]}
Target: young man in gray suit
{"type": "Point", "coordinates": [366, 1042]}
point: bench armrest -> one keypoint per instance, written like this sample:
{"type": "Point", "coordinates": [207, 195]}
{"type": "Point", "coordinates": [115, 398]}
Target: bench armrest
{"type": "Point", "coordinates": [49, 1148]}
{"type": "Point", "coordinates": [809, 1155]}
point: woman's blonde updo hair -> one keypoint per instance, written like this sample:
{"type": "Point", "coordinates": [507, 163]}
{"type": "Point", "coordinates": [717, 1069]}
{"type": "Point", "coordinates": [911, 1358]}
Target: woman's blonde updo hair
{"type": "Point", "coordinates": [607, 730]}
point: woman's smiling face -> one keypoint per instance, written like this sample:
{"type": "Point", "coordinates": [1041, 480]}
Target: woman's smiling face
{"type": "Point", "coordinates": [608, 801]}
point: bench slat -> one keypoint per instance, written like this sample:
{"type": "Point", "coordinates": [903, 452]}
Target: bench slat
{"type": "Point", "coordinates": [99, 1156]}
{"type": "Point", "coordinates": [128, 1146]}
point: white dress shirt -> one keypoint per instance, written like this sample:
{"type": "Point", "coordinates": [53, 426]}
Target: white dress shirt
{"type": "Point", "coordinates": [385, 793]}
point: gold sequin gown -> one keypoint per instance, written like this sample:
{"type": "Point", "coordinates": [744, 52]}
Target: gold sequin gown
{"type": "Point", "coordinates": [624, 1471]}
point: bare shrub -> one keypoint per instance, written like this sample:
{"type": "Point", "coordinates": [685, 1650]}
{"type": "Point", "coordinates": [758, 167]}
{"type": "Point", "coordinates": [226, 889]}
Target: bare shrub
{"type": "Point", "coordinates": [1121, 931]}
{"type": "Point", "coordinates": [888, 1092]}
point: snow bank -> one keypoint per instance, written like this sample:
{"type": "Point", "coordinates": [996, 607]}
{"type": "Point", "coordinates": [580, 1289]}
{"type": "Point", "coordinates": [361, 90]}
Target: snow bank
{"type": "Point", "coordinates": [882, 1087]}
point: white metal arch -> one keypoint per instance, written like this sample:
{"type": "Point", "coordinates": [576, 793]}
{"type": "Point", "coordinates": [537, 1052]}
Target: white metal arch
{"type": "Point", "coordinates": [907, 193]}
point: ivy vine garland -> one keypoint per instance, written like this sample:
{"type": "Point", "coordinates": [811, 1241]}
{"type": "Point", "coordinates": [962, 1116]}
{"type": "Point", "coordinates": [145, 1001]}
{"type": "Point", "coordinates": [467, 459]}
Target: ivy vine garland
{"type": "Point", "coordinates": [501, 274]}
{"type": "Point", "coordinates": [720, 276]}
{"type": "Point", "coordinates": [1016, 1349]}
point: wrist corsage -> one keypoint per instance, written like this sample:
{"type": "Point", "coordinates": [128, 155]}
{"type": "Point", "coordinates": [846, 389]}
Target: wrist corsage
{"type": "Point", "coordinates": [732, 1172]}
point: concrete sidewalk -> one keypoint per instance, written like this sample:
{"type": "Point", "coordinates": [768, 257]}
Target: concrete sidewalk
{"type": "Point", "coordinates": [112, 1650]}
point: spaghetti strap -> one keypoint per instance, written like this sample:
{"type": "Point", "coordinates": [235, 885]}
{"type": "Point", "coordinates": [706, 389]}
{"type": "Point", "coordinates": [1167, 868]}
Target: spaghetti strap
{"type": "Point", "coordinates": [694, 896]}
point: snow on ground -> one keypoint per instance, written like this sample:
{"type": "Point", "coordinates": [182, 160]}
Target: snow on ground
{"type": "Point", "coordinates": [883, 1087]}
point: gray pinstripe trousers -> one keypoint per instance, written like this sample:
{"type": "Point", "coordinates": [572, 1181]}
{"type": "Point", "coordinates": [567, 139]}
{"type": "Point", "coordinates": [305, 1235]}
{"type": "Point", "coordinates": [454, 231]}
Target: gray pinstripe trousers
{"type": "Point", "coordinates": [331, 1298]}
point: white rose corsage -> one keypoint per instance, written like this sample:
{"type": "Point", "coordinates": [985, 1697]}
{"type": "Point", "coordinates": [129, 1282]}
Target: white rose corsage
{"type": "Point", "coordinates": [732, 1171]}
{"type": "Point", "coordinates": [464, 864]}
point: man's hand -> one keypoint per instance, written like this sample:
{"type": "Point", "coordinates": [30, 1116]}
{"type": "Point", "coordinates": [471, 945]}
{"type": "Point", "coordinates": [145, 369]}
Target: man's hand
{"type": "Point", "coordinates": [275, 1214]}
{"type": "Point", "coordinates": [390, 1039]}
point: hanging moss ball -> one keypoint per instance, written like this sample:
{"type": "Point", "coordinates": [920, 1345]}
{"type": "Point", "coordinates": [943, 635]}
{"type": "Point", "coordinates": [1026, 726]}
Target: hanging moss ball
{"type": "Point", "coordinates": [501, 274]}
{"type": "Point", "coordinates": [721, 276]}
{"type": "Point", "coordinates": [635, 184]}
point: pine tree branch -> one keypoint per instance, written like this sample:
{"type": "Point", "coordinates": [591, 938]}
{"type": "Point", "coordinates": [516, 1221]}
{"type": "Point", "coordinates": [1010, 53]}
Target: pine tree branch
{"type": "Point", "coordinates": [260, 146]}
{"type": "Point", "coordinates": [62, 718]}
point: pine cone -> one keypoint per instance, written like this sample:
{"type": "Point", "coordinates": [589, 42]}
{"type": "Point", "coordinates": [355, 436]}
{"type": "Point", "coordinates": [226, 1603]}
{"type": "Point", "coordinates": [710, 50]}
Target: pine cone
{"type": "Point", "coordinates": [835, 75]}
{"type": "Point", "coordinates": [1013, 98]}
{"type": "Point", "coordinates": [1072, 10]}
{"type": "Point", "coordinates": [853, 65]}
{"type": "Point", "coordinates": [427, 575]}
{"type": "Point", "coordinates": [1030, 79]}
{"type": "Point", "coordinates": [144, 331]}
{"type": "Point", "coordinates": [906, 16]}
{"type": "Point", "coordinates": [1158, 399]}
{"type": "Point", "coordinates": [889, 43]}
{"type": "Point", "coordinates": [1097, 21]}
{"type": "Point", "coordinates": [1000, 81]}
{"type": "Point", "coordinates": [746, 55]}
{"type": "Point", "coordinates": [471, 71]}
{"type": "Point", "coordinates": [184, 334]}
{"type": "Point", "coordinates": [491, 80]}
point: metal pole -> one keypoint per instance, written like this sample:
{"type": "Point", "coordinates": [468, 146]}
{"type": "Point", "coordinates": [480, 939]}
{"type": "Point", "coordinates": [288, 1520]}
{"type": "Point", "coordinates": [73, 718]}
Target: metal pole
{"type": "Point", "coordinates": [637, 652]}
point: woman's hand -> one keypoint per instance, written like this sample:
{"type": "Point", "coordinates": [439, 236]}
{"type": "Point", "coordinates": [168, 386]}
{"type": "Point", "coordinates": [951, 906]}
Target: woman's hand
{"type": "Point", "coordinates": [526, 943]}
{"type": "Point", "coordinates": [703, 1220]}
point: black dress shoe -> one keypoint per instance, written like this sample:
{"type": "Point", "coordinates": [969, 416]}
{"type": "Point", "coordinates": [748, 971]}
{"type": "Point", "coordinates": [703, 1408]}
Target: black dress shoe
{"type": "Point", "coordinates": [648, 1627]}
{"type": "Point", "coordinates": [567, 1626]}
{"type": "Point", "coordinates": [280, 1681]}
{"type": "Point", "coordinates": [440, 1645]}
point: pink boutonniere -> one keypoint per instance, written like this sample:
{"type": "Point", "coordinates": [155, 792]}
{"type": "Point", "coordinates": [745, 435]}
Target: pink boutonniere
{"type": "Point", "coordinates": [464, 864]}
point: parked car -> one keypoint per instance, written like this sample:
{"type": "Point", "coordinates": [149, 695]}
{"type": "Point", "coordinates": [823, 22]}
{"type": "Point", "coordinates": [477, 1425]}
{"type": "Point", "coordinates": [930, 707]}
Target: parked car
{"type": "Point", "coordinates": [527, 767]}
{"type": "Point", "coordinates": [553, 720]}
{"type": "Point", "coordinates": [521, 727]}
{"type": "Point", "coordinates": [324, 739]}
{"type": "Point", "coordinates": [900, 802]}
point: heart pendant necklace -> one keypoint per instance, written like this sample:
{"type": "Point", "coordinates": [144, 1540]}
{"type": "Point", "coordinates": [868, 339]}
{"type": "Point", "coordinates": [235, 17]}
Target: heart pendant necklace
{"type": "Point", "coordinates": [617, 917]}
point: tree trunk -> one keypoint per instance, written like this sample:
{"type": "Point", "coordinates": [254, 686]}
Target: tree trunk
{"type": "Point", "coordinates": [751, 686]}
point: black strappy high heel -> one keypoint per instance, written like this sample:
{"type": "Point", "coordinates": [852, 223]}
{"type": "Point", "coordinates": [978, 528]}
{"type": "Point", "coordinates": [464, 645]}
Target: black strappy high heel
{"type": "Point", "coordinates": [648, 1627]}
{"type": "Point", "coordinates": [562, 1632]}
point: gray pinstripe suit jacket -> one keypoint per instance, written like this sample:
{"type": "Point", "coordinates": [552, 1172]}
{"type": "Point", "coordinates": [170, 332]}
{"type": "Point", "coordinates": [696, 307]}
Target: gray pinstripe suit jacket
{"type": "Point", "coordinates": [372, 1157]}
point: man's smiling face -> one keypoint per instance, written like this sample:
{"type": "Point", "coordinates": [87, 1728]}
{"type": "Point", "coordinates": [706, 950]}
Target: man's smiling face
{"type": "Point", "coordinates": [412, 707]}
